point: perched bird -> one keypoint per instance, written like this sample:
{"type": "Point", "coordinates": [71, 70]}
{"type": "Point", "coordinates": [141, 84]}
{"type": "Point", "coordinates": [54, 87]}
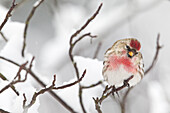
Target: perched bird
{"type": "Point", "coordinates": [122, 61]}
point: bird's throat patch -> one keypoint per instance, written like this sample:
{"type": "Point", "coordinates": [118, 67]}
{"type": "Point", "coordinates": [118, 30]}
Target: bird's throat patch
{"type": "Point", "coordinates": [117, 61]}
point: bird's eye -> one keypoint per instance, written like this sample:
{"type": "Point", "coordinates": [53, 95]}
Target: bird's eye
{"type": "Point", "coordinates": [127, 47]}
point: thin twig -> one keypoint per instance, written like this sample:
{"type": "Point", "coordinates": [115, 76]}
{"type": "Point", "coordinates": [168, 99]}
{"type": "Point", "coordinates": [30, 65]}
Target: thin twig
{"type": "Point", "coordinates": [158, 47]}
{"type": "Point", "coordinates": [3, 36]}
{"type": "Point", "coordinates": [92, 85]}
{"type": "Point", "coordinates": [15, 81]}
{"type": "Point", "coordinates": [110, 90]}
{"type": "Point", "coordinates": [86, 24]}
{"type": "Point", "coordinates": [36, 5]}
{"type": "Point", "coordinates": [80, 38]}
{"type": "Point", "coordinates": [122, 104]}
{"type": "Point", "coordinates": [42, 84]}
{"type": "Point", "coordinates": [8, 15]}
{"type": "Point", "coordinates": [18, 75]}
{"type": "Point", "coordinates": [36, 94]}
{"type": "Point", "coordinates": [71, 84]}
{"type": "Point", "coordinates": [72, 44]}
{"type": "Point", "coordinates": [47, 89]}
{"type": "Point", "coordinates": [12, 87]}
{"type": "Point", "coordinates": [97, 50]}
{"type": "Point", "coordinates": [24, 101]}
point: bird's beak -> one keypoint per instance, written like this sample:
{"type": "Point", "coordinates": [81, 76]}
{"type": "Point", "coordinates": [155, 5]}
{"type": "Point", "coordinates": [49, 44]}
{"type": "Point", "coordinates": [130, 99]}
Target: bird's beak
{"type": "Point", "coordinates": [131, 53]}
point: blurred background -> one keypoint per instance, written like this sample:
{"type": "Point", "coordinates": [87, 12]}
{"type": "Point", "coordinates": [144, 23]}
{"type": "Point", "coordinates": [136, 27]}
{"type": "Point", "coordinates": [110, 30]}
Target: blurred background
{"type": "Point", "coordinates": [56, 20]}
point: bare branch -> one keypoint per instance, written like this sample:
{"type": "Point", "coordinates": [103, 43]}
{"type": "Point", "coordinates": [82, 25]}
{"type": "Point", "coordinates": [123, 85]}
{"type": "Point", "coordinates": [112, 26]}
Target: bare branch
{"type": "Point", "coordinates": [37, 94]}
{"type": "Point", "coordinates": [97, 106]}
{"type": "Point", "coordinates": [86, 24]}
{"type": "Point", "coordinates": [15, 81]}
{"type": "Point", "coordinates": [3, 36]}
{"type": "Point", "coordinates": [12, 87]}
{"type": "Point", "coordinates": [110, 90]}
{"type": "Point", "coordinates": [42, 84]}
{"type": "Point", "coordinates": [24, 101]}
{"type": "Point", "coordinates": [42, 91]}
{"type": "Point", "coordinates": [3, 77]}
{"type": "Point", "coordinates": [80, 38]}
{"type": "Point", "coordinates": [8, 15]}
{"type": "Point", "coordinates": [72, 44]}
{"type": "Point", "coordinates": [81, 29]}
{"type": "Point", "coordinates": [92, 85]}
{"type": "Point", "coordinates": [158, 47]}
{"type": "Point", "coordinates": [97, 50]}
{"type": "Point", "coordinates": [37, 4]}
{"type": "Point", "coordinates": [122, 104]}
{"type": "Point", "coordinates": [71, 84]}
{"type": "Point", "coordinates": [18, 75]}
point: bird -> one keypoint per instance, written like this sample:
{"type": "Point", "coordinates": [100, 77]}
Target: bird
{"type": "Point", "coordinates": [123, 63]}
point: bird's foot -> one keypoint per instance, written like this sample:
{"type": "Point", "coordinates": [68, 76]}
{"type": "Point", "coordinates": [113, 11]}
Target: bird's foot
{"type": "Point", "coordinates": [126, 82]}
{"type": "Point", "coordinates": [114, 91]}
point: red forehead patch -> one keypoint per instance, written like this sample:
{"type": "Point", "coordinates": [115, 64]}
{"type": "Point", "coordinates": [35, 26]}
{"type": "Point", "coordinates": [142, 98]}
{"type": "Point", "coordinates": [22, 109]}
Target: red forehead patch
{"type": "Point", "coordinates": [135, 44]}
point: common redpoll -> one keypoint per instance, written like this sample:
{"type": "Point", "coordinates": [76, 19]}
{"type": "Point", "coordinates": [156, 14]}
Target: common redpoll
{"type": "Point", "coordinates": [122, 61]}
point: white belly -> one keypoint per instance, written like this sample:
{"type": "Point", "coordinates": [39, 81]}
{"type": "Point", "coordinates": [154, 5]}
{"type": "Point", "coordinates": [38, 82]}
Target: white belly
{"type": "Point", "coordinates": [117, 77]}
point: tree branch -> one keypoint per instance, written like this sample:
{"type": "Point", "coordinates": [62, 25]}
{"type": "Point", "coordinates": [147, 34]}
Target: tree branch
{"type": "Point", "coordinates": [158, 47]}
{"type": "Point", "coordinates": [107, 92]}
{"type": "Point", "coordinates": [18, 75]}
{"type": "Point", "coordinates": [42, 84]}
{"type": "Point", "coordinates": [42, 91]}
{"type": "Point", "coordinates": [3, 36]}
{"type": "Point", "coordinates": [72, 44]}
{"type": "Point", "coordinates": [12, 87]}
{"type": "Point", "coordinates": [36, 94]}
{"type": "Point", "coordinates": [36, 5]}
{"type": "Point", "coordinates": [8, 15]}
{"type": "Point", "coordinates": [71, 84]}
{"type": "Point", "coordinates": [15, 81]}
{"type": "Point", "coordinates": [92, 85]}
{"type": "Point", "coordinates": [97, 50]}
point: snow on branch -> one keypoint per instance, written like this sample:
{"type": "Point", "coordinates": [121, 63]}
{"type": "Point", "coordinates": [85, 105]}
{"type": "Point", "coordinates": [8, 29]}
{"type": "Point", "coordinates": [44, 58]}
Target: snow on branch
{"type": "Point", "coordinates": [41, 83]}
{"type": "Point", "coordinates": [52, 86]}
{"type": "Point", "coordinates": [17, 78]}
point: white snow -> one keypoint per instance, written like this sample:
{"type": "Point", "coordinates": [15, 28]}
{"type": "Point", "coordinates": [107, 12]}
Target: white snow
{"type": "Point", "coordinates": [37, 3]}
{"type": "Point", "coordinates": [93, 75]}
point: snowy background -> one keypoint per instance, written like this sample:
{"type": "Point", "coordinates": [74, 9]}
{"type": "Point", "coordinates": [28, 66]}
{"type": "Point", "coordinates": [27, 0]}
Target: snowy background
{"type": "Point", "coordinates": [48, 38]}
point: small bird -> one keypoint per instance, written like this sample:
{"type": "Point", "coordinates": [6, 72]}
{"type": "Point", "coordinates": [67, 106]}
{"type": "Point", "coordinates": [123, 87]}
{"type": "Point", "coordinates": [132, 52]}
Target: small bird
{"type": "Point", "coordinates": [123, 61]}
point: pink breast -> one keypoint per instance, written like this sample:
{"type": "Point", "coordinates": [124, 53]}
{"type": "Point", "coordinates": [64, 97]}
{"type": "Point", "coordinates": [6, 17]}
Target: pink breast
{"type": "Point", "coordinates": [116, 62]}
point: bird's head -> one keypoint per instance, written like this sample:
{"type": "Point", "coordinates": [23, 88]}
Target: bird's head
{"type": "Point", "coordinates": [129, 47]}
